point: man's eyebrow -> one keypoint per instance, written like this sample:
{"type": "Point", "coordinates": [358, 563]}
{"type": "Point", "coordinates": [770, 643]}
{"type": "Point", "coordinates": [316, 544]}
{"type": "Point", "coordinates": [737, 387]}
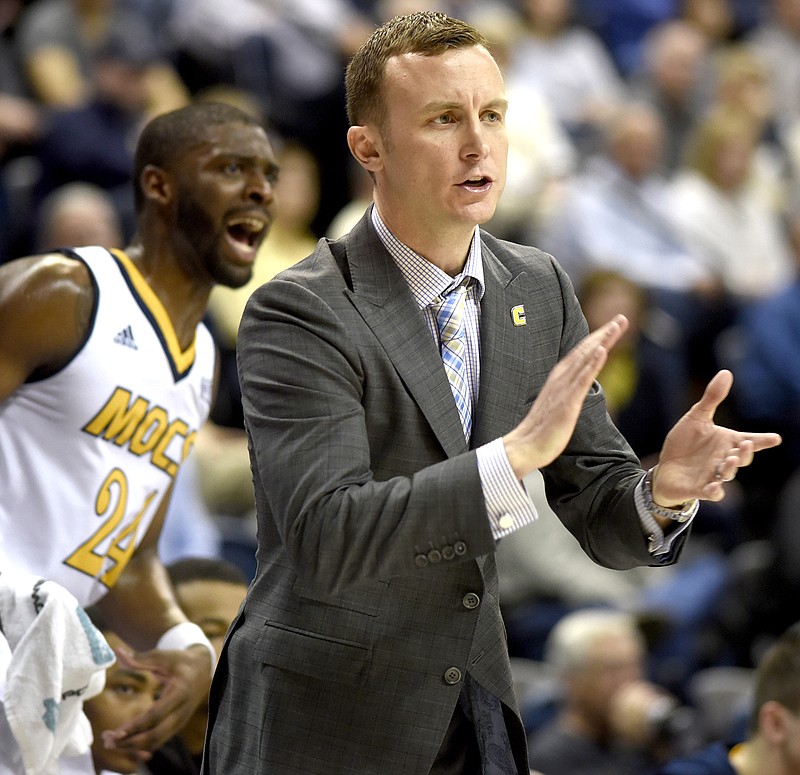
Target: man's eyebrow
{"type": "Point", "coordinates": [251, 158]}
{"type": "Point", "coordinates": [498, 104]}
{"type": "Point", "coordinates": [442, 106]}
{"type": "Point", "coordinates": [135, 675]}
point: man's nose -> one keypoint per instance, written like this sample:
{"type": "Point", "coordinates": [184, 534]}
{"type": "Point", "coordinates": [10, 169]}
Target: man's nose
{"type": "Point", "coordinates": [475, 141]}
{"type": "Point", "coordinates": [260, 187]}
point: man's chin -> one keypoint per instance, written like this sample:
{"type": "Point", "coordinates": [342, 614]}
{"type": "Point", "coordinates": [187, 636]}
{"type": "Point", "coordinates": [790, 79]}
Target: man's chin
{"type": "Point", "coordinates": [234, 276]}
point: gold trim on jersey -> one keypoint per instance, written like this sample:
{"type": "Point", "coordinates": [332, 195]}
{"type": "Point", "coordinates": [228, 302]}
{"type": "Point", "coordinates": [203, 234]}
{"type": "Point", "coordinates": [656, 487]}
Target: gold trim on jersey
{"type": "Point", "coordinates": [182, 359]}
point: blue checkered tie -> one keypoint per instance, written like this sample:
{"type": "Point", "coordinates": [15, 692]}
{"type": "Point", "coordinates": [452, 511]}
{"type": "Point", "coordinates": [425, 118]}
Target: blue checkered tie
{"type": "Point", "coordinates": [453, 343]}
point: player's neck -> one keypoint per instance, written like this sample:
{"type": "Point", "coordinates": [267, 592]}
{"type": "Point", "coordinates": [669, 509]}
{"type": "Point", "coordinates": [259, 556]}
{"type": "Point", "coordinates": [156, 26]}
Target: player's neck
{"type": "Point", "coordinates": [184, 301]}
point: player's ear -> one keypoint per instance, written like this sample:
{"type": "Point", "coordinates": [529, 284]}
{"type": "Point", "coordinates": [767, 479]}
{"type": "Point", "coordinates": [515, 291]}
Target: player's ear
{"type": "Point", "coordinates": [156, 184]}
{"type": "Point", "coordinates": [366, 145]}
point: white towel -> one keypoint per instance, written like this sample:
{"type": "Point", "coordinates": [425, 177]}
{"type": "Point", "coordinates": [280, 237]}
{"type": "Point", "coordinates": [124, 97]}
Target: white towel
{"type": "Point", "coordinates": [58, 660]}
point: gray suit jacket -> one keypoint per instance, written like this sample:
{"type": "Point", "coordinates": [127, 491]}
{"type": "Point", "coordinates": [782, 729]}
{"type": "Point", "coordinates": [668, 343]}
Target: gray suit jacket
{"type": "Point", "coordinates": [376, 586]}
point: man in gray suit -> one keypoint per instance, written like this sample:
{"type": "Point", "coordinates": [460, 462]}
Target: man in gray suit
{"type": "Point", "coordinates": [371, 639]}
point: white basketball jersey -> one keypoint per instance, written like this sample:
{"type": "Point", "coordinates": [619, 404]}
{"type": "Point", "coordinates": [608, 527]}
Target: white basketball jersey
{"type": "Point", "coordinates": [87, 454]}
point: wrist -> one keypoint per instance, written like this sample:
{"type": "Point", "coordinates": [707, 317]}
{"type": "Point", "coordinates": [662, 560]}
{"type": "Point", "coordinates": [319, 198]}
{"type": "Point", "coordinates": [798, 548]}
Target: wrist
{"type": "Point", "coordinates": [677, 512]}
{"type": "Point", "coordinates": [183, 636]}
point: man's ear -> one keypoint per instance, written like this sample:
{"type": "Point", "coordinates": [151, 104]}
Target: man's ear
{"type": "Point", "coordinates": [772, 722]}
{"type": "Point", "coordinates": [156, 184]}
{"type": "Point", "coordinates": [366, 146]}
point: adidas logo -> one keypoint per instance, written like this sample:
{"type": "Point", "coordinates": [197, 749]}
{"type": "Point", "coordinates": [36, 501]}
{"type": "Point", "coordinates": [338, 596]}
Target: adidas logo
{"type": "Point", "coordinates": [125, 337]}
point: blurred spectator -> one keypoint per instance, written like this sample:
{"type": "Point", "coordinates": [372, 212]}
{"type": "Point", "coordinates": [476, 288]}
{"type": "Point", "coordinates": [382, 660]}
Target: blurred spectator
{"type": "Point", "coordinates": [209, 591]}
{"type": "Point", "coordinates": [673, 79]}
{"type": "Point", "coordinates": [78, 214]}
{"type": "Point", "coordinates": [777, 42]}
{"type": "Point", "coordinates": [722, 214]}
{"type": "Point", "coordinates": [569, 66]}
{"type": "Point", "coordinates": [94, 142]}
{"type": "Point", "coordinates": [715, 19]}
{"type": "Point", "coordinates": [57, 41]}
{"type": "Point", "coordinates": [633, 377]}
{"type": "Point", "coordinates": [611, 721]}
{"type": "Point", "coordinates": [543, 576]}
{"type": "Point", "coordinates": [772, 744]}
{"type": "Point", "coordinates": [616, 216]}
{"type": "Point", "coordinates": [742, 85]}
{"type": "Point", "coordinates": [20, 124]}
{"type": "Point", "coordinates": [623, 25]}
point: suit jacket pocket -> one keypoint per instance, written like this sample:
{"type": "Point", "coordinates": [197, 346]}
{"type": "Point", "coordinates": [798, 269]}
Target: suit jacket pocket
{"type": "Point", "coordinates": [313, 654]}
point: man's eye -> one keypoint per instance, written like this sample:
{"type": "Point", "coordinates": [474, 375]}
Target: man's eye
{"type": "Point", "coordinates": [233, 167]}
{"type": "Point", "coordinates": [493, 117]}
{"type": "Point", "coordinates": [445, 118]}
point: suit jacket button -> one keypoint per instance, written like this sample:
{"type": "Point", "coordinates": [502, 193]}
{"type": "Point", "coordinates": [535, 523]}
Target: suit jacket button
{"type": "Point", "coordinates": [471, 600]}
{"type": "Point", "coordinates": [420, 561]}
{"type": "Point", "coordinates": [434, 556]}
{"type": "Point", "coordinates": [460, 548]}
{"type": "Point", "coordinates": [448, 552]}
{"type": "Point", "coordinates": [452, 676]}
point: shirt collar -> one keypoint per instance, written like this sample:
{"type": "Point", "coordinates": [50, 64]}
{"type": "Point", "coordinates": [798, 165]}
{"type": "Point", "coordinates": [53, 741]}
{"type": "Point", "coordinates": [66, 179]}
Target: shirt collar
{"type": "Point", "coordinates": [426, 280]}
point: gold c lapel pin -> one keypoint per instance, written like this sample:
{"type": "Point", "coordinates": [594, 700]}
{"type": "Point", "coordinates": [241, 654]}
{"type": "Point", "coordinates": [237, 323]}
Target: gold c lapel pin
{"type": "Point", "coordinates": [518, 315]}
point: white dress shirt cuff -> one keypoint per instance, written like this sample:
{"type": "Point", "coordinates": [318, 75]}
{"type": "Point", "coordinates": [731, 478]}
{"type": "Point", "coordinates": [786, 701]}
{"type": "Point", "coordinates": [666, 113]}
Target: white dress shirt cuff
{"type": "Point", "coordinates": [507, 502]}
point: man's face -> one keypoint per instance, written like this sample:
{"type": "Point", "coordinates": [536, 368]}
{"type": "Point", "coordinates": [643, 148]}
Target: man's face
{"type": "Point", "coordinates": [612, 662]}
{"type": "Point", "coordinates": [224, 203]}
{"type": "Point", "coordinates": [638, 145]}
{"type": "Point", "coordinates": [444, 146]}
{"type": "Point", "coordinates": [212, 605]}
{"type": "Point", "coordinates": [127, 694]}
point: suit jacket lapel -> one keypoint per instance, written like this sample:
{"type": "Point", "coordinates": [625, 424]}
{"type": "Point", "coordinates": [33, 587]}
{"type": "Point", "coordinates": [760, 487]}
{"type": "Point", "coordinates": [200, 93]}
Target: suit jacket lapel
{"type": "Point", "coordinates": [506, 388]}
{"type": "Point", "coordinates": [384, 301]}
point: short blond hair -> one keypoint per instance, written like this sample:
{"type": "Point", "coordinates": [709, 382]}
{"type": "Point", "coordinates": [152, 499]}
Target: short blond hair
{"type": "Point", "coordinates": [426, 32]}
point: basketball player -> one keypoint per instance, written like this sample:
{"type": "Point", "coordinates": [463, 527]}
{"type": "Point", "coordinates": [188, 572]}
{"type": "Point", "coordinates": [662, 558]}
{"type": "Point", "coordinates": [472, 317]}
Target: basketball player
{"type": "Point", "coordinates": [106, 376]}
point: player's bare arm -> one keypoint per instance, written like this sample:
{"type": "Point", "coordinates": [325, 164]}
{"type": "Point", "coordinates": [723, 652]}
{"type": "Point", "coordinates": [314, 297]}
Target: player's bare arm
{"type": "Point", "coordinates": [45, 307]}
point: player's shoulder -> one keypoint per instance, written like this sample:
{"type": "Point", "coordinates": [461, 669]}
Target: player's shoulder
{"type": "Point", "coordinates": [54, 272]}
{"type": "Point", "coordinates": [46, 307]}
{"type": "Point", "coordinates": [53, 287]}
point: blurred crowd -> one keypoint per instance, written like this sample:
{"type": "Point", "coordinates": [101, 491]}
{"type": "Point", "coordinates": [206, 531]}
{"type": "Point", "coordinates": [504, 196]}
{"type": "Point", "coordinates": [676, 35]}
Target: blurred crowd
{"type": "Point", "coordinates": [654, 151]}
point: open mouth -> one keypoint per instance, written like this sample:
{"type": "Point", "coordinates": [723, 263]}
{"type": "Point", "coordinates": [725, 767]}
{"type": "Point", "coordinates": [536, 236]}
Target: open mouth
{"type": "Point", "coordinates": [477, 183]}
{"type": "Point", "coordinates": [247, 231]}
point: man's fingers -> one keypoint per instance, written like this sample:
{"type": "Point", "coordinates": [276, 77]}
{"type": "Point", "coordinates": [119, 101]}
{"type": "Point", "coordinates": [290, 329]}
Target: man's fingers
{"type": "Point", "coordinates": [609, 333]}
{"type": "Point", "coordinates": [150, 729]}
{"type": "Point", "coordinates": [587, 355]}
{"type": "Point", "coordinates": [765, 441]}
{"type": "Point", "coordinates": [715, 393]}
